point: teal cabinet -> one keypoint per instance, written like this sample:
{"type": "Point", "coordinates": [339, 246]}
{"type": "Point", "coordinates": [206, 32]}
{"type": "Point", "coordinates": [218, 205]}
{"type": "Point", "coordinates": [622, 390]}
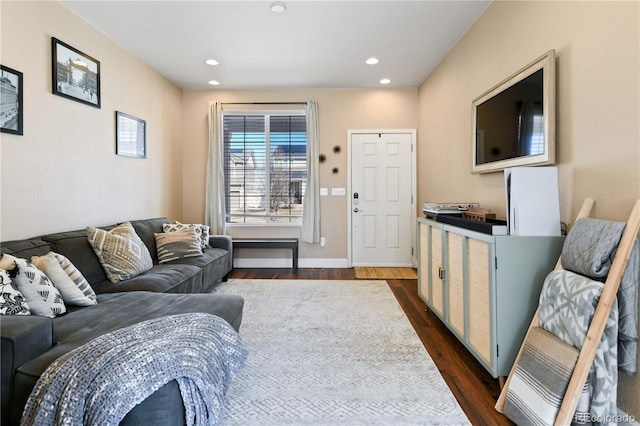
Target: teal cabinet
{"type": "Point", "coordinates": [484, 288]}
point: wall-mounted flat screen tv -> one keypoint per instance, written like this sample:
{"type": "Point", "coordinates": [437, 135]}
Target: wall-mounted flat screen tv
{"type": "Point", "coordinates": [514, 122]}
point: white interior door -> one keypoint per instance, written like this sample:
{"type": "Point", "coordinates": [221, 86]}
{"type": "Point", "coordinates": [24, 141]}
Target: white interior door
{"type": "Point", "coordinates": [381, 199]}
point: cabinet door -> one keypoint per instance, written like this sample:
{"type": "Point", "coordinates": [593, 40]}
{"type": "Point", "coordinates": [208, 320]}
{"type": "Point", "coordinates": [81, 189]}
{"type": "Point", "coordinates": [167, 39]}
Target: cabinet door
{"type": "Point", "coordinates": [455, 282]}
{"type": "Point", "coordinates": [423, 263]}
{"type": "Point", "coordinates": [437, 284]}
{"type": "Point", "coordinates": [479, 297]}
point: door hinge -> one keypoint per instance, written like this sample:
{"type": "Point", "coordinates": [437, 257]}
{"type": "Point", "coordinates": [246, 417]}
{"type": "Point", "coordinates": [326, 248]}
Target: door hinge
{"type": "Point", "coordinates": [497, 351]}
{"type": "Point", "coordinates": [496, 261]}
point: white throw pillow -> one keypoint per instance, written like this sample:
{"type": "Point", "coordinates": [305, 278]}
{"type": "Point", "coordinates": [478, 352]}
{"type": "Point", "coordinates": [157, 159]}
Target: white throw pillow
{"type": "Point", "coordinates": [76, 276]}
{"type": "Point", "coordinates": [12, 302]}
{"type": "Point", "coordinates": [71, 294]}
{"type": "Point", "coordinates": [43, 297]}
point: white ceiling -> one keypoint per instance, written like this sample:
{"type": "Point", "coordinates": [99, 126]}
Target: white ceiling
{"type": "Point", "coordinates": [313, 44]}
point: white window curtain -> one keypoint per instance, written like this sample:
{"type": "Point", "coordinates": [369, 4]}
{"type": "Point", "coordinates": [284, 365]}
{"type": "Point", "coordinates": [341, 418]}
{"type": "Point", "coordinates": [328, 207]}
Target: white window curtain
{"type": "Point", "coordinates": [215, 203]}
{"type": "Point", "coordinates": [215, 208]}
{"type": "Point", "coordinates": [310, 232]}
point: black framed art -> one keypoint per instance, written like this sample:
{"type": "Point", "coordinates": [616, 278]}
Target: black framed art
{"type": "Point", "coordinates": [75, 75]}
{"type": "Point", "coordinates": [131, 136]}
{"type": "Point", "coordinates": [11, 112]}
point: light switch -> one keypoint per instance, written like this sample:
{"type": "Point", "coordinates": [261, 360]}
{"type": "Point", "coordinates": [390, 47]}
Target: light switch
{"type": "Point", "coordinates": [324, 191]}
{"type": "Point", "coordinates": [338, 191]}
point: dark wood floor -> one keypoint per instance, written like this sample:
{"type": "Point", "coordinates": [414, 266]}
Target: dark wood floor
{"type": "Point", "coordinates": [472, 385]}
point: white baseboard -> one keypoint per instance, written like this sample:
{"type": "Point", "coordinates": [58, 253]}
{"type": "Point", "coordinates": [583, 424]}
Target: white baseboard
{"type": "Point", "coordinates": [287, 263]}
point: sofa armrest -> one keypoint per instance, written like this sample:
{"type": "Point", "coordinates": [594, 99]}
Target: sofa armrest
{"type": "Point", "coordinates": [223, 242]}
{"type": "Point", "coordinates": [22, 338]}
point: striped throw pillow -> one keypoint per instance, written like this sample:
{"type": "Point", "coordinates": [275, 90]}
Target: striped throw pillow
{"type": "Point", "coordinates": [76, 276]}
{"type": "Point", "coordinates": [177, 245]}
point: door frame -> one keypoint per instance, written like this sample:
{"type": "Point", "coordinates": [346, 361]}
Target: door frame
{"type": "Point", "coordinates": [414, 174]}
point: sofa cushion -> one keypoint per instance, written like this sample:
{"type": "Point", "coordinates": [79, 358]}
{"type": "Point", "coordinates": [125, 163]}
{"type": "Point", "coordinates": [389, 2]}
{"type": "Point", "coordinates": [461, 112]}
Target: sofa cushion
{"type": "Point", "coordinates": [121, 252]}
{"type": "Point", "coordinates": [176, 245]}
{"type": "Point", "coordinates": [162, 278]}
{"type": "Point", "coordinates": [25, 248]}
{"type": "Point", "coordinates": [213, 264]}
{"type": "Point", "coordinates": [145, 228]}
{"type": "Point", "coordinates": [74, 245]}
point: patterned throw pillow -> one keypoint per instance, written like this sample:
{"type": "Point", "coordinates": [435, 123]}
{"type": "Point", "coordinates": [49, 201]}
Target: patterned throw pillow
{"type": "Point", "coordinates": [43, 297]}
{"type": "Point", "coordinates": [76, 276]}
{"type": "Point", "coordinates": [177, 245]}
{"type": "Point", "coordinates": [12, 302]}
{"type": "Point", "coordinates": [71, 294]}
{"type": "Point", "coordinates": [202, 231]}
{"type": "Point", "coordinates": [121, 252]}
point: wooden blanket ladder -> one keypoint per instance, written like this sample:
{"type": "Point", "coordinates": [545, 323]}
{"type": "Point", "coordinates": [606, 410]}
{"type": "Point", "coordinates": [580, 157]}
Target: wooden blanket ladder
{"type": "Point", "coordinates": [598, 323]}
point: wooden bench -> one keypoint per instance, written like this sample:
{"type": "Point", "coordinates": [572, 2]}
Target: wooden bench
{"type": "Point", "coordinates": [268, 243]}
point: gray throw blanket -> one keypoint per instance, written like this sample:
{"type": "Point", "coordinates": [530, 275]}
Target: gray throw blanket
{"type": "Point", "coordinates": [99, 382]}
{"type": "Point", "coordinates": [567, 304]}
{"type": "Point", "coordinates": [589, 250]}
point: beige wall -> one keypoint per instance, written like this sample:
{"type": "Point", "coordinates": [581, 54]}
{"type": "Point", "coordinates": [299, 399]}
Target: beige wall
{"type": "Point", "coordinates": [63, 173]}
{"type": "Point", "coordinates": [598, 149]}
{"type": "Point", "coordinates": [598, 93]}
{"type": "Point", "coordinates": [338, 111]}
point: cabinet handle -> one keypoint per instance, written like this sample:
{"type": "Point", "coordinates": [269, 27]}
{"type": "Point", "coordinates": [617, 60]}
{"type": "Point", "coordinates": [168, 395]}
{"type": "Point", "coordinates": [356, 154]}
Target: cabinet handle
{"type": "Point", "coordinates": [442, 273]}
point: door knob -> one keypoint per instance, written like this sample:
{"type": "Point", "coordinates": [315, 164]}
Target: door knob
{"type": "Point", "coordinates": [356, 210]}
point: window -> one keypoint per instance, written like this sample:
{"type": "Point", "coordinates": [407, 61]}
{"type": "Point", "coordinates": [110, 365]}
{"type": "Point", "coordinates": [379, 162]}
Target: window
{"type": "Point", "coordinates": [265, 165]}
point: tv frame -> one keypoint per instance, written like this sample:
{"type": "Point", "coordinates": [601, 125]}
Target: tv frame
{"type": "Point", "coordinates": [546, 63]}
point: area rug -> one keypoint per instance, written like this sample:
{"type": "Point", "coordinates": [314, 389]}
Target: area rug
{"type": "Point", "coordinates": [371, 273]}
{"type": "Point", "coordinates": [328, 352]}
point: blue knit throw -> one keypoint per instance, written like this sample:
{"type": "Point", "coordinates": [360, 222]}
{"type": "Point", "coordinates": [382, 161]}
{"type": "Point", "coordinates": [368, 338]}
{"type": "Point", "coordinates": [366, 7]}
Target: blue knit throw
{"type": "Point", "coordinates": [99, 382]}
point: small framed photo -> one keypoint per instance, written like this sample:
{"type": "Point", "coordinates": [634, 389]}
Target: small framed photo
{"type": "Point", "coordinates": [11, 113]}
{"type": "Point", "coordinates": [131, 136]}
{"type": "Point", "coordinates": [75, 75]}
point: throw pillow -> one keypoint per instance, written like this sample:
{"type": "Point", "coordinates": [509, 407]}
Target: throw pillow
{"type": "Point", "coordinates": [120, 251]}
{"type": "Point", "coordinates": [43, 297]}
{"type": "Point", "coordinates": [76, 276]}
{"type": "Point", "coordinates": [202, 231]}
{"type": "Point", "coordinates": [177, 245]}
{"type": "Point", "coordinates": [12, 302]}
{"type": "Point", "coordinates": [71, 294]}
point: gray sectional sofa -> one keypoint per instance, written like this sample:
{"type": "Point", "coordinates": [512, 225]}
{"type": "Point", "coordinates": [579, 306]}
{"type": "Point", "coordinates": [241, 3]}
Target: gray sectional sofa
{"type": "Point", "coordinates": [31, 343]}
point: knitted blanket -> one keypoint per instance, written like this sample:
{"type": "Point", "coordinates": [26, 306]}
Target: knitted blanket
{"type": "Point", "coordinates": [589, 250]}
{"type": "Point", "coordinates": [567, 304]}
{"type": "Point", "coordinates": [99, 382]}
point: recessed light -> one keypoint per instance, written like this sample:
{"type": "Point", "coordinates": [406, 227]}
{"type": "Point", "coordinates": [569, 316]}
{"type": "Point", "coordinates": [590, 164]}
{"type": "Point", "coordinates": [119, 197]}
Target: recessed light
{"type": "Point", "coordinates": [385, 81]}
{"type": "Point", "coordinates": [278, 7]}
{"type": "Point", "coordinates": [372, 61]}
{"type": "Point", "coordinates": [214, 82]}
{"type": "Point", "coordinates": [211, 62]}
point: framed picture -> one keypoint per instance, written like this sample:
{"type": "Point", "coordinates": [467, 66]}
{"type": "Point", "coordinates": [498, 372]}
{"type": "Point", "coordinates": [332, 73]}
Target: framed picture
{"type": "Point", "coordinates": [75, 75]}
{"type": "Point", "coordinates": [10, 101]}
{"type": "Point", "coordinates": [131, 136]}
